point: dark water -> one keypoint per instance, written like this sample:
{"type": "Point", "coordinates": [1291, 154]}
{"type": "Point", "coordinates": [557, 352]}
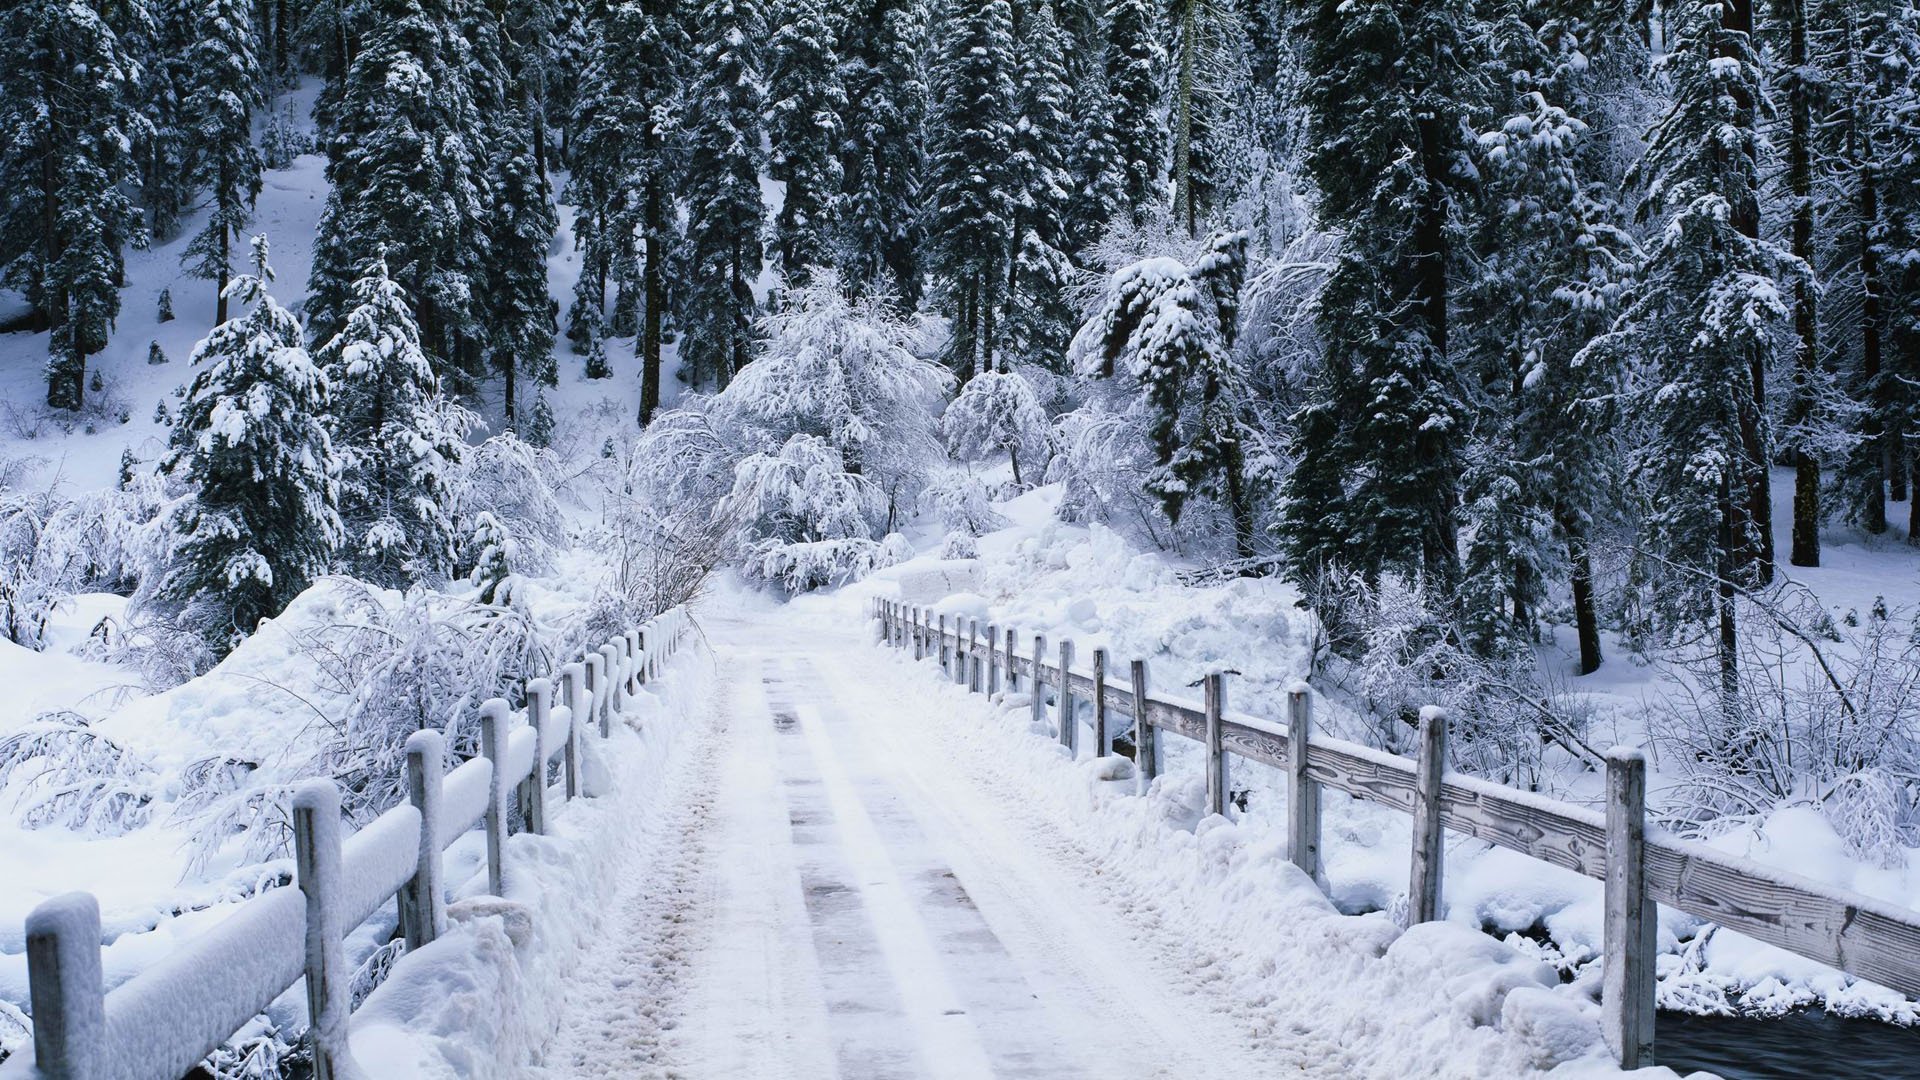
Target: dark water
{"type": "Point", "coordinates": [1799, 1046]}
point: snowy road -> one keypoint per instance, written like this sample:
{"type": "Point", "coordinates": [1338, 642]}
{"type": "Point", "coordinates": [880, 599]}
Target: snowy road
{"type": "Point", "coordinates": [830, 897]}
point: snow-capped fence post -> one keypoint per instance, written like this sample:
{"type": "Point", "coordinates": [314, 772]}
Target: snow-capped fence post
{"type": "Point", "coordinates": [1429, 835]}
{"type": "Point", "coordinates": [636, 660]}
{"type": "Point", "coordinates": [493, 744]}
{"type": "Point", "coordinates": [941, 645]}
{"type": "Point", "coordinates": [975, 678]}
{"type": "Point", "coordinates": [1629, 943]}
{"type": "Point", "coordinates": [316, 852]}
{"type": "Point", "coordinates": [962, 656]}
{"type": "Point", "coordinates": [1013, 669]}
{"type": "Point", "coordinates": [993, 659]}
{"type": "Point", "coordinates": [1216, 703]}
{"type": "Point", "coordinates": [423, 909]}
{"type": "Point", "coordinates": [596, 669]}
{"type": "Point", "coordinates": [539, 708]}
{"type": "Point", "coordinates": [1038, 691]}
{"type": "Point", "coordinates": [1303, 794]}
{"type": "Point", "coordinates": [66, 988]}
{"type": "Point", "coordinates": [1146, 744]}
{"type": "Point", "coordinates": [919, 636]}
{"type": "Point", "coordinates": [573, 679]}
{"type": "Point", "coordinates": [612, 688]}
{"type": "Point", "coordinates": [1069, 729]}
{"type": "Point", "coordinates": [1099, 703]}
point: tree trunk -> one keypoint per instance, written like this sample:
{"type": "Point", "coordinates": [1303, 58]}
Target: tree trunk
{"type": "Point", "coordinates": [1183, 201]}
{"type": "Point", "coordinates": [1013, 453]}
{"type": "Point", "coordinates": [1585, 619]}
{"type": "Point", "coordinates": [1754, 536]}
{"type": "Point", "coordinates": [654, 296]}
{"type": "Point", "coordinates": [220, 280]}
{"type": "Point", "coordinates": [1872, 511]}
{"type": "Point", "coordinates": [1725, 597]}
{"type": "Point", "coordinates": [1806, 470]}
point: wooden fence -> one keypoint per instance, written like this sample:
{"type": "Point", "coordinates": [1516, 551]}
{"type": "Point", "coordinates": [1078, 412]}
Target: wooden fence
{"type": "Point", "coordinates": [1640, 865]}
{"type": "Point", "coordinates": [164, 1021]}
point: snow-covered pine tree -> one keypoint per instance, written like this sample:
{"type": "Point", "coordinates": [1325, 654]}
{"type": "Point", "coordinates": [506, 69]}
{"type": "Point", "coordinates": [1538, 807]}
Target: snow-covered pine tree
{"type": "Point", "coordinates": [223, 91]}
{"type": "Point", "coordinates": [805, 102]}
{"type": "Point", "coordinates": [259, 522]}
{"type": "Point", "coordinates": [66, 167]}
{"type": "Point", "coordinates": [1134, 61]}
{"type": "Point", "coordinates": [997, 412]}
{"type": "Point", "coordinates": [884, 156]}
{"type": "Point", "coordinates": [973, 189]}
{"type": "Point", "coordinates": [1389, 92]}
{"type": "Point", "coordinates": [1700, 334]}
{"type": "Point", "coordinates": [402, 148]}
{"type": "Point", "coordinates": [1039, 319]}
{"type": "Point", "coordinates": [1097, 173]}
{"type": "Point", "coordinates": [1162, 341]}
{"type": "Point", "coordinates": [492, 549]}
{"type": "Point", "coordinates": [396, 438]}
{"type": "Point", "coordinates": [164, 140]}
{"type": "Point", "coordinates": [721, 187]}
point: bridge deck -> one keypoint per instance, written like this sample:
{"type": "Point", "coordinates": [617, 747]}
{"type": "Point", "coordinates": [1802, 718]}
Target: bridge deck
{"type": "Point", "coordinates": [831, 898]}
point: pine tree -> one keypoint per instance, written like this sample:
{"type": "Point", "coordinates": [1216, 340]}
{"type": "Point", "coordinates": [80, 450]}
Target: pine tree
{"type": "Point", "coordinates": [725, 214]}
{"type": "Point", "coordinates": [1378, 439]}
{"type": "Point", "coordinates": [1164, 334]}
{"type": "Point", "coordinates": [974, 190]}
{"type": "Point", "coordinates": [1701, 333]}
{"type": "Point", "coordinates": [223, 93]}
{"type": "Point", "coordinates": [402, 147]}
{"type": "Point", "coordinates": [164, 147]}
{"type": "Point", "coordinates": [66, 118]}
{"type": "Point", "coordinates": [1039, 317]}
{"type": "Point", "coordinates": [492, 569]}
{"type": "Point", "coordinates": [1097, 174]}
{"type": "Point", "coordinates": [260, 522]}
{"type": "Point", "coordinates": [396, 438]}
{"type": "Point", "coordinates": [1134, 60]}
{"type": "Point", "coordinates": [804, 104]}
{"type": "Point", "coordinates": [884, 161]}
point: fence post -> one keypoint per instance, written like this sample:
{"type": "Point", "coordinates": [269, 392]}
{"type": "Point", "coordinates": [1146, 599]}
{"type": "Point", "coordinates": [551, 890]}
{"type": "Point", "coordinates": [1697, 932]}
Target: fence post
{"type": "Point", "coordinates": [940, 646]}
{"type": "Point", "coordinates": [1303, 794]}
{"type": "Point", "coordinates": [1013, 669]}
{"type": "Point", "coordinates": [1038, 690]}
{"type": "Point", "coordinates": [1216, 700]}
{"type": "Point", "coordinates": [66, 988]}
{"type": "Point", "coordinates": [993, 659]}
{"type": "Point", "coordinates": [1099, 703]}
{"type": "Point", "coordinates": [573, 679]}
{"type": "Point", "coordinates": [1429, 836]}
{"type": "Point", "coordinates": [610, 692]}
{"type": "Point", "coordinates": [918, 635]}
{"type": "Point", "coordinates": [1626, 1004]}
{"type": "Point", "coordinates": [539, 709]}
{"type": "Point", "coordinates": [636, 660]}
{"type": "Point", "coordinates": [1063, 702]}
{"type": "Point", "coordinates": [493, 744]}
{"type": "Point", "coordinates": [316, 852]}
{"type": "Point", "coordinates": [596, 675]}
{"type": "Point", "coordinates": [423, 907]}
{"type": "Point", "coordinates": [962, 659]}
{"type": "Point", "coordinates": [975, 678]}
{"type": "Point", "coordinates": [1146, 743]}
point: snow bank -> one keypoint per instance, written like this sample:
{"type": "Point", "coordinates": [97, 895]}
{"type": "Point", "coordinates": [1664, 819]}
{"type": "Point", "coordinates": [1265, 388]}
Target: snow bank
{"type": "Point", "coordinates": [483, 1000]}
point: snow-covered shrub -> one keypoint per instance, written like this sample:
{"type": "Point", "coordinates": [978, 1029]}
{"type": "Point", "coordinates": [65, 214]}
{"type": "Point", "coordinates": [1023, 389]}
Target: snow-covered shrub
{"type": "Point", "coordinates": [64, 775]}
{"type": "Point", "coordinates": [1825, 717]}
{"type": "Point", "coordinates": [960, 545]}
{"type": "Point", "coordinates": [52, 546]}
{"type": "Point", "coordinates": [960, 501]}
{"type": "Point", "coordinates": [491, 553]}
{"type": "Point", "coordinates": [664, 537]}
{"type": "Point", "coordinates": [997, 412]}
{"type": "Point", "coordinates": [520, 484]}
{"type": "Point", "coordinates": [804, 520]}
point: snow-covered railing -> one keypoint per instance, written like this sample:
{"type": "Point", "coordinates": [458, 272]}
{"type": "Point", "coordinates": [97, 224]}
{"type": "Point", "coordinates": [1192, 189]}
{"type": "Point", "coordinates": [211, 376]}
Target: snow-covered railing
{"type": "Point", "coordinates": [161, 1023]}
{"type": "Point", "coordinates": [1641, 866]}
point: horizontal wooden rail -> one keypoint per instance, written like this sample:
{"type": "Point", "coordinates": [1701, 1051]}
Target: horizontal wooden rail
{"type": "Point", "coordinates": [164, 1021]}
{"type": "Point", "coordinates": [1864, 937]}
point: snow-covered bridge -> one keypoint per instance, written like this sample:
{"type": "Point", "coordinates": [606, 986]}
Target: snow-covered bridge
{"type": "Point", "coordinates": [850, 868]}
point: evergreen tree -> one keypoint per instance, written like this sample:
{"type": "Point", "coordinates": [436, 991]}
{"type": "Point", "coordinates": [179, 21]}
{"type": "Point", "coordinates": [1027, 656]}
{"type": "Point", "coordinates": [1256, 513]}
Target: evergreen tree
{"type": "Point", "coordinates": [260, 521]}
{"type": "Point", "coordinates": [1700, 332]}
{"type": "Point", "coordinates": [725, 214]}
{"type": "Point", "coordinates": [224, 80]}
{"type": "Point", "coordinates": [974, 190]}
{"type": "Point", "coordinates": [1134, 59]}
{"type": "Point", "coordinates": [492, 569]}
{"type": "Point", "coordinates": [804, 104]}
{"type": "Point", "coordinates": [1379, 437]}
{"type": "Point", "coordinates": [402, 146]}
{"type": "Point", "coordinates": [396, 438]}
{"type": "Point", "coordinates": [66, 121]}
{"type": "Point", "coordinates": [883, 164]}
{"type": "Point", "coordinates": [164, 145]}
{"type": "Point", "coordinates": [1039, 317]}
{"type": "Point", "coordinates": [1094, 166]}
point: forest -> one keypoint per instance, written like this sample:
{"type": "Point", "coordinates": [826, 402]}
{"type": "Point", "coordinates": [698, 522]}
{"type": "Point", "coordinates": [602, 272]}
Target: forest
{"type": "Point", "coordinates": [1483, 325]}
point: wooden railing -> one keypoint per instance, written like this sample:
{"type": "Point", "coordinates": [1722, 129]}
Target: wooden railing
{"type": "Point", "coordinates": [1639, 864]}
{"type": "Point", "coordinates": [164, 1021]}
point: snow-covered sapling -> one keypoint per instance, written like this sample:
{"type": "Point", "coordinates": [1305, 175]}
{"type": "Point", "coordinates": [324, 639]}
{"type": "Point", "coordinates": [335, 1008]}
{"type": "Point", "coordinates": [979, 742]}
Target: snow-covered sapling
{"type": "Point", "coordinates": [155, 354]}
{"type": "Point", "coordinates": [997, 412]}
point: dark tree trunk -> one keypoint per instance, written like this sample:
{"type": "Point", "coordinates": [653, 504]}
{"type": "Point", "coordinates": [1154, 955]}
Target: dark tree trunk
{"type": "Point", "coordinates": [1872, 511]}
{"type": "Point", "coordinates": [1586, 619]}
{"type": "Point", "coordinates": [1753, 536]}
{"type": "Point", "coordinates": [1725, 596]}
{"type": "Point", "coordinates": [654, 296]}
{"type": "Point", "coordinates": [1806, 470]}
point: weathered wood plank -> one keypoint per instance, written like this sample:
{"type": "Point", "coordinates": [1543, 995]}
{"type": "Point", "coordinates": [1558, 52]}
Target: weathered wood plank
{"type": "Point", "coordinates": [1628, 943]}
{"type": "Point", "coordinates": [1429, 835]}
{"type": "Point", "coordinates": [1216, 689]}
{"type": "Point", "coordinates": [1039, 688]}
{"type": "Point", "coordinates": [1099, 703]}
{"type": "Point", "coordinates": [1069, 728]}
{"type": "Point", "coordinates": [1146, 742]}
{"type": "Point", "coordinates": [1303, 795]}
